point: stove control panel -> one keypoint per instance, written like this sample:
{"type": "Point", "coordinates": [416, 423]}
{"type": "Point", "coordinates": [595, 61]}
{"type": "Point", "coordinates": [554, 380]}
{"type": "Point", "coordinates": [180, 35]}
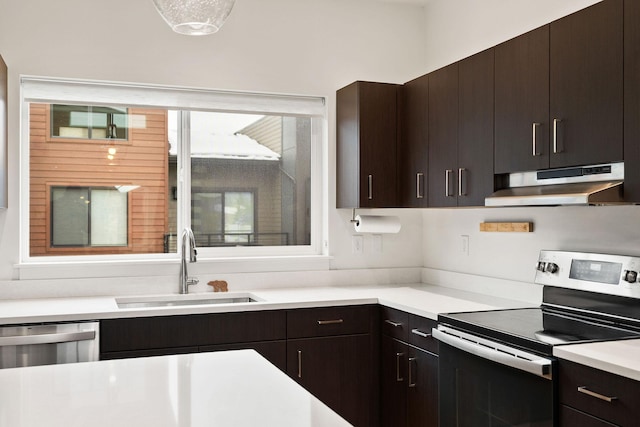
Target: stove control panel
{"type": "Point", "coordinates": [605, 273]}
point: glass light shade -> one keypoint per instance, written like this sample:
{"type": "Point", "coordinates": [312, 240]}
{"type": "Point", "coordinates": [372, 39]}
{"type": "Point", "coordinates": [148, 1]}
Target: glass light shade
{"type": "Point", "coordinates": [194, 17]}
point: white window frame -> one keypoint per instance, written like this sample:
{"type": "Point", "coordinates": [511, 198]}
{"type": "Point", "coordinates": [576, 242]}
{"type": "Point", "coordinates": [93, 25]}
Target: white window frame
{"type": "Point", "coordinates": [224, 259]}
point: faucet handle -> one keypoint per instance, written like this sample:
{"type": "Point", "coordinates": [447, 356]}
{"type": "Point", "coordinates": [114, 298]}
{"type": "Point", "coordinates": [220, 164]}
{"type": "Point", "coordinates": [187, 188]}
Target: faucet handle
{"type": "Point", "coordinates": [192, 281]}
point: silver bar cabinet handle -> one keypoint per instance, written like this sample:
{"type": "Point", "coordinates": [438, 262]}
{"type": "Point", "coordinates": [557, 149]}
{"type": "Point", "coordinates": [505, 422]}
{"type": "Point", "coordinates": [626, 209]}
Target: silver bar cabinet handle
{"type": "Point", "coordinates": [585, 390]}
{"type": "Point", "coordinates": [447, 182]}
{"type": "Point", "coordinates": [419, 333]}
{"type": "Point", "coordinates": [411, 363]}
{"type": "Point", "coordinates": [392, 323]}
{"type": "Point", "coordinates": [299, 363]}
{"type": "Point", "coordinates": [460, 172]}
{"type": "Point", "coordinates": [330, 322]}
{"type": "Point", "coordinates": [556, 150]}
{"type": "Point", "coordinates": [47, 338]}
{"type": "Point", "coordinates": [534, 140]}
{"type": "Point", "coordinates": [398, 377]}
{"type": "Point", "coordinates": [419, 177]}
{"type": "Point", "coordinates": [370, 178]}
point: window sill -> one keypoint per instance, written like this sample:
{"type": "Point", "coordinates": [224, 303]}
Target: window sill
{"type": "Point", "coordinates": [164, 267]}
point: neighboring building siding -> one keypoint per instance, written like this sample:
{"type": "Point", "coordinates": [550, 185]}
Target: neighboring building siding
{"type": "Point", "coordinates": [267, 131]}
{"type": "Point", "coordinates": [142, 161]}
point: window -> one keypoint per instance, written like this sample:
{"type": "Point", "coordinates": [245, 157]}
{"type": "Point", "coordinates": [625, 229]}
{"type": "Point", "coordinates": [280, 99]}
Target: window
{"type": "Point", "coordinates": [244, 171]}
{"type": "Point", "coordinates": [88, 122]}
{"type": "Point", "coordinates": [223, 219]}
{"type": "Point", "coordinates": [88, 216]}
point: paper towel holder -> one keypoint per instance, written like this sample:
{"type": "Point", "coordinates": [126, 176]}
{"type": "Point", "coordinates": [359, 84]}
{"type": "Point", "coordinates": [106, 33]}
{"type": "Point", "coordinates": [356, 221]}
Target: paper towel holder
{"type": "Point", "coordinates": [353, 217]}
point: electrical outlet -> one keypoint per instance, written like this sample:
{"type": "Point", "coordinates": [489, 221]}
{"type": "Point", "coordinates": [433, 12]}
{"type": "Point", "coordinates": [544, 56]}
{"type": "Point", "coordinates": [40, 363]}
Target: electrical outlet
{"type": "Point", "coordinates": [357, 243]}
{"type": "Point", "coordinates": [464, 244]}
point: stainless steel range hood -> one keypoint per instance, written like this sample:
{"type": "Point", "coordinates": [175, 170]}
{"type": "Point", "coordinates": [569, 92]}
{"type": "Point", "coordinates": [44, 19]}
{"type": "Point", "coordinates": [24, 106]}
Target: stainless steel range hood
{"type": "Point", "coordinates": [585, 185]}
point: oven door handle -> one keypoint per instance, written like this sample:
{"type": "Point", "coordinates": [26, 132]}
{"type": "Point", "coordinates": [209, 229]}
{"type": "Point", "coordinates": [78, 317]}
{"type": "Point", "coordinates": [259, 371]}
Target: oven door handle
{"type": "Point", "coordinates": [490, 350]}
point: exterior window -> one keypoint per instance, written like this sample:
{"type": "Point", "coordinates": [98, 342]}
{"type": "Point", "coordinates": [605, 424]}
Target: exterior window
{"type": "Point", "coordinates": [122, 181]}
{"type": "Point", "coordinates": [222, 219]}
{"type": "Point", "coordinates": [88, 216]}
{"type": "Point", "coordinates": [88, 122]}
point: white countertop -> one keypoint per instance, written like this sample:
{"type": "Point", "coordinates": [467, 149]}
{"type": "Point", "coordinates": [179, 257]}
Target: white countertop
{"type": "Point", "coordinates": [230, 388]}
{"type": "Point", "coordinates": [620, 357]}
{"type": "Point", "coordinates": [422, 300]}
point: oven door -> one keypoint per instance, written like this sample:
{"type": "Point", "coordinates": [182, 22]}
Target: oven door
{"type": "Point", "coordinates": [487, 384]}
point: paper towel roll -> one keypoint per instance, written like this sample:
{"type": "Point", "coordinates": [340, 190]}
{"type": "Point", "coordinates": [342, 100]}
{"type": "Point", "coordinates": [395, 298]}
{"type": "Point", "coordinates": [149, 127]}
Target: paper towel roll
{"type": "Point", "coordinates": [377, 224]}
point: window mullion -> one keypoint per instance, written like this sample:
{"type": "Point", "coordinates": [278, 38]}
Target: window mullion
{"type": "Point", "coordinates": [184, 175]}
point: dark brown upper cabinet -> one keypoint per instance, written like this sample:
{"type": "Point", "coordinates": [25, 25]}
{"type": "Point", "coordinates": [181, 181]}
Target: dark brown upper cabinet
{"type": "Point", "coordinates": [586, 86]}
{"type": "Point", "coordinates": [413, 148]}
{"type": "Point", "coordinates": [475, 129]}
{"type": "Point", "coordinates": [522, 103]}
{"type": "Point", "coordinates": [461, 132]}
{"type": "Point", "coordinates": [443, 136]}
{"type": "Point", "coordinates": [631, 100]}
{"type": "Point", "coordinates": [366, 152]}
{"type": "Point", "coordinates": [559, 93]}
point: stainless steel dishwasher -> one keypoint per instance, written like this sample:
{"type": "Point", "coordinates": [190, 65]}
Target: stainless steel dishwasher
{"type": "Point", "coordinates": [49, 344]}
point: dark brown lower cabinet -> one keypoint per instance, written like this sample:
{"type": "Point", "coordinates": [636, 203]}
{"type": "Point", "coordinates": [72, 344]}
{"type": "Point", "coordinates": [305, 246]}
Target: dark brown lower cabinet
{"type": "Point", "coordinates": [263, 331]}
{"type": "Point", "coordinates": [593, 398]}
{"type": "Point", "coordinates": [572, 417]}
{"type": "Point", "coordinates": [337, 370]}
{"type": "Point", "coordinates": [331, 351]}
{"type": "Point", "coordinates": [409, 381]}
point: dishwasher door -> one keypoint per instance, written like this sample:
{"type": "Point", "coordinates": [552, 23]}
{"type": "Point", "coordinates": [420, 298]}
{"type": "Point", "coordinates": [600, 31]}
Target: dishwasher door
{"type": "Point", "coordinates": [49, 344]}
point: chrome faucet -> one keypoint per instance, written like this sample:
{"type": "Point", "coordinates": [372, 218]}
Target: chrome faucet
{"type": "Point", "coordinates": [188, 244]}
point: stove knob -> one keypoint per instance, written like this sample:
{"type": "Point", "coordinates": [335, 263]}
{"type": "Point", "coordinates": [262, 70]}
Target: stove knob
{"type": "Point", "coordinates": [631, 276]}
{"type": "Point", "coordinates": [551, 268]}
{"type": "Point", "coordinates": [540, 266]}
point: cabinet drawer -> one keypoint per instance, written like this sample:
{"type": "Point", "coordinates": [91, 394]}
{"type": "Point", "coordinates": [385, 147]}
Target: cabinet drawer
{"type": "Point", "coordinates": [327, 321]}
{"type": "Point", "coordinates": [420, 333]}
{"type": "Point", "coordinates": [569, 417]}
{"type": "Point", "coordinates": [394, 323]}
{"type": "Point", "coordinates": [145, 333]}
{"type": "Point", "coordinates": [579, 383]}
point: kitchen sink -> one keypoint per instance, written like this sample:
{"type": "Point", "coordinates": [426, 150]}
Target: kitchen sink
{"type": "Point", "coordinates": [183, 300]}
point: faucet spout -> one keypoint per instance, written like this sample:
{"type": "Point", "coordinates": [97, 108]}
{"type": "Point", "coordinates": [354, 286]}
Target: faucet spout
{"type": "Point", "coordinates": [188, 245]}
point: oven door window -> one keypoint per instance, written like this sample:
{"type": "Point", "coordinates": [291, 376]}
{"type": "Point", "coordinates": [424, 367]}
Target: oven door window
{"type": "Point", "coordinates": [475, 392]}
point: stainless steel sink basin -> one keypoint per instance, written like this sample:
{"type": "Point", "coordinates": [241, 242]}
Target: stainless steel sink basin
{"type": "Point", "coordinates": [183, 300]}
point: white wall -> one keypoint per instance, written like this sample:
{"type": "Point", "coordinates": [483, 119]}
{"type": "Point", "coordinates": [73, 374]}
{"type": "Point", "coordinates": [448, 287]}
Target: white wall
{"type": "Point", "coordinates": [286, 46]}
{"type": "Point", "coordinates": [456, 29]}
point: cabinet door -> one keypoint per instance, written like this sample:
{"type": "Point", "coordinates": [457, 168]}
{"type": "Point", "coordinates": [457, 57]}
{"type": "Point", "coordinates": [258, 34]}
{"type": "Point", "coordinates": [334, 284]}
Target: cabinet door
{"type": "Point", "coordinates": [586, 78]}
{"type": "Point", "coordinates": [522, 103]}
{"type": "Point", "coordinates": [422, 391]}
{"type": "Point", "coordinates": [413, 147]}
{"type": "Point", "coordinates": [443, 136]}
{"type": "Point", "coordinates": [338, 371]}
{"type": "Point", "coordinates": [475, 129]}
{"type": "Point", "coordinates": [393, 380]}
{"type": "Point", "coordinates": [631, 100]}
{"type": "Point", "coordinates": [366, 154]}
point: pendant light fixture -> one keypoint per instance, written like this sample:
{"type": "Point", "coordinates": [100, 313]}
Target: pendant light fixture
{"type": "Point", "coordinates": [194, 17]}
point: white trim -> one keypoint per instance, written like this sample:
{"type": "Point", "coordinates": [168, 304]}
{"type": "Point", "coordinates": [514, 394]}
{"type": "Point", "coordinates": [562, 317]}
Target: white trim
{"type": "Point", "coordinates": [48, 90]}
{"type": "Point", "coordinates": [158, 268]}
{"type": "Point", "coordinates": [276, 258]}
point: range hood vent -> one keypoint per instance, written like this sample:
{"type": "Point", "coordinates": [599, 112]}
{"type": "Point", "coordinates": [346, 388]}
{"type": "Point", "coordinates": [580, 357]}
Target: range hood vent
{"type": "Point", "coordinates": [586, 185]}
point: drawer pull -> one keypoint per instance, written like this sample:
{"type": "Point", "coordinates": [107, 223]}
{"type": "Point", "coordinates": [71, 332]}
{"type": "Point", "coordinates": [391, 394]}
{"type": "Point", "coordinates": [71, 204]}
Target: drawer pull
{"type": "Point", "coordinates": [585, 390]}
{"type": "Point", "coordinates": [398, 357]}
{"type": "Point", "coordinates": [419, 333]}
{"type": "Point", "coordinates": [392, 323]}
{"type": "Point", "coordinates": [299, 363]}
{"type": "Point", "coordinates": [330, 322]}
